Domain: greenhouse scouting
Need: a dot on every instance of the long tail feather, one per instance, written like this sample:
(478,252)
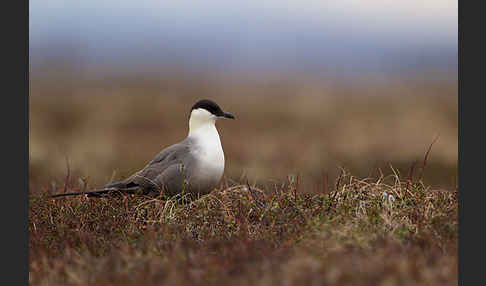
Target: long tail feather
(99,193)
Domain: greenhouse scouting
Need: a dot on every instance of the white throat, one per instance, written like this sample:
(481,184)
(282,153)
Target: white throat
(202,124)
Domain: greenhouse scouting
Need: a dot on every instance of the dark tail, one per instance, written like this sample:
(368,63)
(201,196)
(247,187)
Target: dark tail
(100,193)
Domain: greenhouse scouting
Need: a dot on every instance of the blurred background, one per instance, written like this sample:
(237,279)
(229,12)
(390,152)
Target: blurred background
(314,85)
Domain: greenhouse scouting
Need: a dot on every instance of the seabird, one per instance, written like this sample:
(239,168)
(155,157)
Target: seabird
(195,165)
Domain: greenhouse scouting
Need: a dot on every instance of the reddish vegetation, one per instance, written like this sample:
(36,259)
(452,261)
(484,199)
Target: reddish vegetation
(364,232)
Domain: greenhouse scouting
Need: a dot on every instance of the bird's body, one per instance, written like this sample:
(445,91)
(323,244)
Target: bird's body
(194,165)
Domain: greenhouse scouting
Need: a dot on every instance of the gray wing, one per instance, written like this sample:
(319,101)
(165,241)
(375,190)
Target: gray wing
(164,169)
(173,179)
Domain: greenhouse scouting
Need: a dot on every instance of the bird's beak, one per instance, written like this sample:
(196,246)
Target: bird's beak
(228,115)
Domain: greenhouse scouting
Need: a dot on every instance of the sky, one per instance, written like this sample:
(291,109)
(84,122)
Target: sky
(227,36)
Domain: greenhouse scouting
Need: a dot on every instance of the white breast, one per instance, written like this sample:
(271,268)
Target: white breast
(209,153)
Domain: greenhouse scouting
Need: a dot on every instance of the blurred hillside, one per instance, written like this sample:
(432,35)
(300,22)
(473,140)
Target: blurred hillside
(114,127)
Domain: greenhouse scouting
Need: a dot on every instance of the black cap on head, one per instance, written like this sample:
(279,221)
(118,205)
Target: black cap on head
(212,107)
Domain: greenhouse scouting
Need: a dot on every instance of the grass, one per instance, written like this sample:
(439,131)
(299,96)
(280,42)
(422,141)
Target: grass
(373,231)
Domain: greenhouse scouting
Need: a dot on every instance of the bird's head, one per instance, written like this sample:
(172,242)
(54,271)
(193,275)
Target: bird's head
(206,112)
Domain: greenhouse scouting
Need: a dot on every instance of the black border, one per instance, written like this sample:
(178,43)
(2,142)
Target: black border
(471,186)
(15,121)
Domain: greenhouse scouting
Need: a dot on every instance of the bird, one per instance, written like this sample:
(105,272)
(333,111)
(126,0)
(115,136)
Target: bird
(194,165)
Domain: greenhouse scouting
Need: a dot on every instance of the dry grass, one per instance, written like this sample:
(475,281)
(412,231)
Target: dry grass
(364,232)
